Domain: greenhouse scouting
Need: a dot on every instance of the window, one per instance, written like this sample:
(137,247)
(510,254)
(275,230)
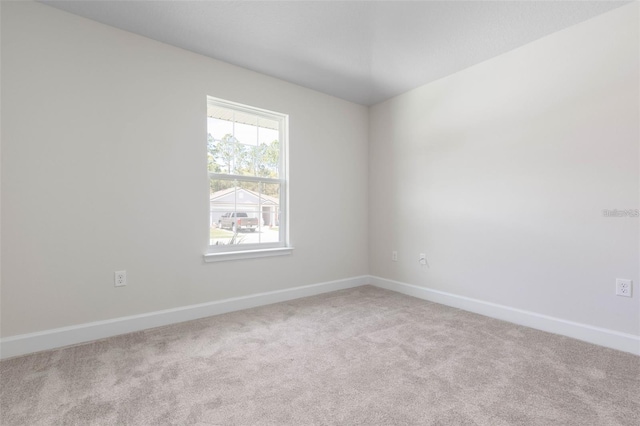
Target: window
(246,150)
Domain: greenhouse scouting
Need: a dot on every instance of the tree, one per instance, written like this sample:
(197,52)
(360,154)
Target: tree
(268,158)
(224,153)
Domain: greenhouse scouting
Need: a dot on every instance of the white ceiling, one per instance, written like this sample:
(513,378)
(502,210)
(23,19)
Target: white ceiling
(362,51)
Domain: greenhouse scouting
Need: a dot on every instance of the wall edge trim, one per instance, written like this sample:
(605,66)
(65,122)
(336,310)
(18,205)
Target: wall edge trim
(82,333)
(597,335)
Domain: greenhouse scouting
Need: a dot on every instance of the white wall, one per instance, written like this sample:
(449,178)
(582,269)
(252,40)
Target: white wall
(500,174)
(104,168)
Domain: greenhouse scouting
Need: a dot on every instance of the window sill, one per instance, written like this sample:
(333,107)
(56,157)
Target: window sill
(247,254)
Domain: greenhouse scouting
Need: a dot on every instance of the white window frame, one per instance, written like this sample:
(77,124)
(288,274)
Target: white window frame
(217,253)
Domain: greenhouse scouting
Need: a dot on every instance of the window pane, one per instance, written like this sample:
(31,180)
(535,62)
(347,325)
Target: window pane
(222,154)
(222,203)
(244,212)
(268,152)
(247,145)
(218,128)
(246,134)
(270,213)
(268,159)
(245,160)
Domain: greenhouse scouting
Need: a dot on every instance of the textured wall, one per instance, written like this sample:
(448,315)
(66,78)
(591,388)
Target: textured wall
(104,168)
(500,174)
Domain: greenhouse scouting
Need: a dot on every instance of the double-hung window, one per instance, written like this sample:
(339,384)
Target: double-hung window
(247,153)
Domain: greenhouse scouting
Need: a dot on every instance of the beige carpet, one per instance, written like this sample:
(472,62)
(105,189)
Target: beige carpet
(363,356)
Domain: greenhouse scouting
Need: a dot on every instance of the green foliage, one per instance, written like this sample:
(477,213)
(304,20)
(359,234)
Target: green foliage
(266,159)
(224,154)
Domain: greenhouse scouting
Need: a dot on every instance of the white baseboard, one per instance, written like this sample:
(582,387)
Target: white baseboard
(596,335)
(65,336)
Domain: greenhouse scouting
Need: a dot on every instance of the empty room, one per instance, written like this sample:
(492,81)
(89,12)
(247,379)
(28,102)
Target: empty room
(319,213)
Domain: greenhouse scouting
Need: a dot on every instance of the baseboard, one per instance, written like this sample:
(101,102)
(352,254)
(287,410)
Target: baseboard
(65,336)
(596,335)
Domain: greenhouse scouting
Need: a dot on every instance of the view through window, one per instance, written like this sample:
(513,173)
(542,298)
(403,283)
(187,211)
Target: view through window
(246,162)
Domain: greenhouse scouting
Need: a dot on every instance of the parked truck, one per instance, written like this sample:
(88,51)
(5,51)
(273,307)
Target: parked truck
(237,221)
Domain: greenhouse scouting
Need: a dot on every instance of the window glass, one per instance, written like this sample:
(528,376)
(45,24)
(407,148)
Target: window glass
(245,148)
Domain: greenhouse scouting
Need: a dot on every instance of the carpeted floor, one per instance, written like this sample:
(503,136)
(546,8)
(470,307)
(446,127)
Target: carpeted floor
(363,356)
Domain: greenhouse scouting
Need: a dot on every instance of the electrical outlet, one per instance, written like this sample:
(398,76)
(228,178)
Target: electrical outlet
(623,287)
(120,278)
(394,256)
(422,258)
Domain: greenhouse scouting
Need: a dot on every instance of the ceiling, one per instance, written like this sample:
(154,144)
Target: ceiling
(361,51)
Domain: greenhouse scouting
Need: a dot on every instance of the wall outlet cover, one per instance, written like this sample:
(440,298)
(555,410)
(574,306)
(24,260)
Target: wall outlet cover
(120,278)
(624,287)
